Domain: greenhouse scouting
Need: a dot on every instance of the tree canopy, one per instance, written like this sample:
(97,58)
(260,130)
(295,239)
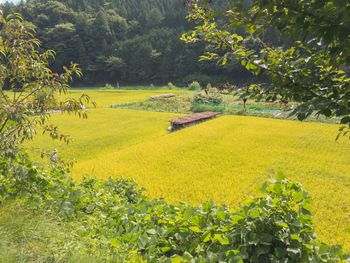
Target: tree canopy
(310,67)
(123,41)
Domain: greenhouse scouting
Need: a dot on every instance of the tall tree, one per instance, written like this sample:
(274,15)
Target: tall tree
(311,70)
(28,86)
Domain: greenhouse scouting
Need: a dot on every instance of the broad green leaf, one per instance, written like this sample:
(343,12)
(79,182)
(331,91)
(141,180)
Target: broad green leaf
(298,197)
(195,229)
(222,239)
(177,259)
(165,249)
(115,242)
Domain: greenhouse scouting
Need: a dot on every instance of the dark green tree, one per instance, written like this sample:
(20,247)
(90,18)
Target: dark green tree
(93,33)
(154,17)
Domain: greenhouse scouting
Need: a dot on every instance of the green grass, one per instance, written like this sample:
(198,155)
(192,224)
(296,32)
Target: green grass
(27,236)
(37,236)
(183,103)
(225,159)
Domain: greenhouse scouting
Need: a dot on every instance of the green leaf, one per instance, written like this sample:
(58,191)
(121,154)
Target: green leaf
(222,239)
(298,197)
(265,237)
(280,176)
(207,237)
(295,237)
(221,214)
(165,249)
(195,229)
(115,242)
(307,207)
(255,213)
(177,259)
(282,224)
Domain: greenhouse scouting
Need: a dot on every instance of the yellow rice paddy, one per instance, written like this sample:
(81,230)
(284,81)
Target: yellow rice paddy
(226,159)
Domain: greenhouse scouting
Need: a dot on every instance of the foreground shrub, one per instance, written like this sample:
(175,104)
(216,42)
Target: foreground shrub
(275,227)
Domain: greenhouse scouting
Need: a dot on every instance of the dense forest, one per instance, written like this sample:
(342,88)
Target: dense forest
(130,42)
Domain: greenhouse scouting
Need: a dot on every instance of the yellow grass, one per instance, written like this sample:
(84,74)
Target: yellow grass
(226,159)
(104,131)
(105,98)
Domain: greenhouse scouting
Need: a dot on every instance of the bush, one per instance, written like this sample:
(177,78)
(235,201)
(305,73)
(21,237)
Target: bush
(208,107)
(171,85)
(194,86)
(276,227)
(108,86)
(213,98)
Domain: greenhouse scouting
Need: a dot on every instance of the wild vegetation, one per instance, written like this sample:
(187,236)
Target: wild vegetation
(196,102)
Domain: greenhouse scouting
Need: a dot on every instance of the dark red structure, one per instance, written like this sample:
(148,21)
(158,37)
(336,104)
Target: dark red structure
(189,120)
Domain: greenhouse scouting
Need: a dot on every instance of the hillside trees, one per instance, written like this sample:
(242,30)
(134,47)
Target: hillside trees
(311,70)
(95,33)
(154,17)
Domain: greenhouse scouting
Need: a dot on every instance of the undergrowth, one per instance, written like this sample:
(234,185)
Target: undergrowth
(190,103)
(32,235)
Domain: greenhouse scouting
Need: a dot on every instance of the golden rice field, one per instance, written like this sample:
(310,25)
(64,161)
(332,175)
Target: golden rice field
(226,159)
(109,97)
